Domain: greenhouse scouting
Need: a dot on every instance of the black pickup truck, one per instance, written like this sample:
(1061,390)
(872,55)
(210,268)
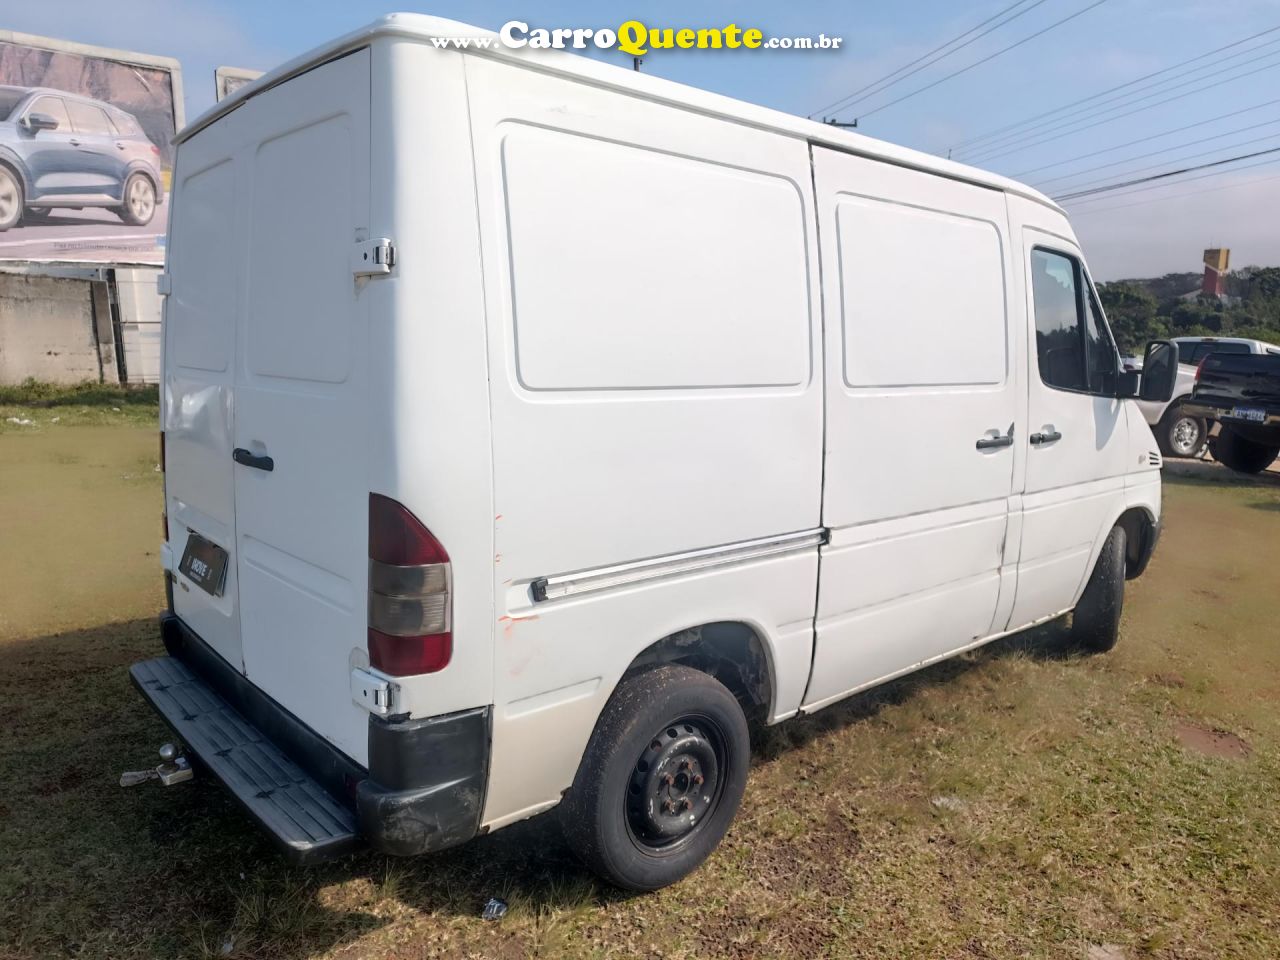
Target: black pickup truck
(1242,392)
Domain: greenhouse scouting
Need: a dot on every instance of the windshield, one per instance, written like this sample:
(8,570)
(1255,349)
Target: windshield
(10,97)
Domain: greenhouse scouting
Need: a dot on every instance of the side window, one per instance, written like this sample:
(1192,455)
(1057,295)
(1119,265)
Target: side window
(89,119)
(55,108)
(1230,348)
(1073,346)
(1100,352)
(1059,346)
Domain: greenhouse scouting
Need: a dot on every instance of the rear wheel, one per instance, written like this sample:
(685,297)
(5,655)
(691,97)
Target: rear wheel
(661,778)
(1179,434)
(139,201)
(1245,456)
(10,199)
(1095,625)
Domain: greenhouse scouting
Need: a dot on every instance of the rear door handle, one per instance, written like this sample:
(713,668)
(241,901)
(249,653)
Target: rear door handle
(1049,436)
(74,143)
(249,459)
(120,146)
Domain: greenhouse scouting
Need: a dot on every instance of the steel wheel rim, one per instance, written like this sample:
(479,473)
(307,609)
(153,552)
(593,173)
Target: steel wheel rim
(141,198)
(8,198)
(676,784)
(1185,435)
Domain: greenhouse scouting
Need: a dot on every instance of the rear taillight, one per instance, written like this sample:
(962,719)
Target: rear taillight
(1200,366)
(155,150)
(409,593)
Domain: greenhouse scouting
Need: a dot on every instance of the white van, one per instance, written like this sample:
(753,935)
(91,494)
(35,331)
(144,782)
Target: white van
(531,424)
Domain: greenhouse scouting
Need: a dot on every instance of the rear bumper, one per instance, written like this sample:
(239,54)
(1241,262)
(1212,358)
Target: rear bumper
(423,791)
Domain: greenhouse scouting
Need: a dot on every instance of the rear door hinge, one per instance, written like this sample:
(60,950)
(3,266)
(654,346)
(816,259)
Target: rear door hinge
(164,284)
(373,257)
(376,694)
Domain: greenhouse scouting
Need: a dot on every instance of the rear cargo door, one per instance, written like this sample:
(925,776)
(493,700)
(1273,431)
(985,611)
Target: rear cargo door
(199,371)
(301,490)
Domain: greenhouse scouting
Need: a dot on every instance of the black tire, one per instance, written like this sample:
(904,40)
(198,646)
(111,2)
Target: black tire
(1179,434)
(140,201)
(1244,456)
(1095,625)
(11,199)
(668,722)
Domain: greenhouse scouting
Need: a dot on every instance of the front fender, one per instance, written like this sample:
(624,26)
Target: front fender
(11,159)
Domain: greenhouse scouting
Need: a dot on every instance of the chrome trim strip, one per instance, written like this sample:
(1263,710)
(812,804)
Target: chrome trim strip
(674,564)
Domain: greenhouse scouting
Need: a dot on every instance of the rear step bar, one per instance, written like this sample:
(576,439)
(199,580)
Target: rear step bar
(296,811)
(424,789)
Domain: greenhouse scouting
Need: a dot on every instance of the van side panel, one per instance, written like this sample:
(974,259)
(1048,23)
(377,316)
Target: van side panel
(651,288)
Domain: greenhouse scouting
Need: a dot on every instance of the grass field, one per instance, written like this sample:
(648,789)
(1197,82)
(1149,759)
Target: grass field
(1018,802)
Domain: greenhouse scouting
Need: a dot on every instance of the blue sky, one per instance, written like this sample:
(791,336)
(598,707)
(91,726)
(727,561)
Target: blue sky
(1118,41)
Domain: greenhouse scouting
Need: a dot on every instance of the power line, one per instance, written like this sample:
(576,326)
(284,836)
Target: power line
(1102,93)
(1097,123)
(1182,195)
(989,57)
(1164,176)
(1157,186)
(1129,99)
(849,99)
(1153,153)
(1191,156)
(1154,136)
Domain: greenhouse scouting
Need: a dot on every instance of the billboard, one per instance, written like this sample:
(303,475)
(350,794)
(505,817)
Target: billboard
(85,151)
(228,80)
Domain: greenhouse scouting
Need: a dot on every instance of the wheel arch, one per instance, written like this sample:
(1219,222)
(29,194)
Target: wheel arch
(736,652)
(139,166)
(1140,526)
(15,166)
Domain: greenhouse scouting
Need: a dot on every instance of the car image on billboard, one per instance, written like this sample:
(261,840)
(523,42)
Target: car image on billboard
(85,156)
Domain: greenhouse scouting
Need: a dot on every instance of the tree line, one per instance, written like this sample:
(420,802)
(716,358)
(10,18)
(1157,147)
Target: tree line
(1143,310)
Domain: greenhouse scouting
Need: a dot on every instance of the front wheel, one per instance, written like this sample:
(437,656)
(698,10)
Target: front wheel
(1095,625)
(1179,434)
(661,778)
(10,199)
(139,201)
(1245,456)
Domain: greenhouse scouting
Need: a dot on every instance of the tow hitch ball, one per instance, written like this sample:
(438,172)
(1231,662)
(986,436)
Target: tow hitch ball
(173,768)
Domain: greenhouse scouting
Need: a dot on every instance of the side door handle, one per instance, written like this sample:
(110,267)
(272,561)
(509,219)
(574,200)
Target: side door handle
(991,443)
(74,142)
(249,459)
(1049,436)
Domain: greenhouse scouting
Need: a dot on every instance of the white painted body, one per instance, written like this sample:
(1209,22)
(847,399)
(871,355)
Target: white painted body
(628,321)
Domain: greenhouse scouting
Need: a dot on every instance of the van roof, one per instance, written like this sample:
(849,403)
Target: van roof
(419,27)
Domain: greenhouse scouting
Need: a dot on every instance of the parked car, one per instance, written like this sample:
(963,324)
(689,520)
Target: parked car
(482,501)
(59,150)
(1180,432)
(1242,391)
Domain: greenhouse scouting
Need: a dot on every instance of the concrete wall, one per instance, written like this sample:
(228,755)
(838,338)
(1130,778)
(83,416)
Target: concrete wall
(50,330)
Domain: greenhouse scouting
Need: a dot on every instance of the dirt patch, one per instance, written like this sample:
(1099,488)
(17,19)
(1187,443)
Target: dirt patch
(1210,742)
(1171,680)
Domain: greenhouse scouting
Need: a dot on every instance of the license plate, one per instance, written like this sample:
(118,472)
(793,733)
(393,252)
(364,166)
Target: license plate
(204,563)
(1256,414)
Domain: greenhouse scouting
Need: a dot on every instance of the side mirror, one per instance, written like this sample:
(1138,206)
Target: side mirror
(1159,371)
(41,121)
